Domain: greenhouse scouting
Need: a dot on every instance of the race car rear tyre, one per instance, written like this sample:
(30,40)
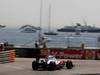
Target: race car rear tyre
(43,65)
(69,65)
(35,65)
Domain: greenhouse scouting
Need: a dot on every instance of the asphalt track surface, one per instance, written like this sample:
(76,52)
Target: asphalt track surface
(22,66)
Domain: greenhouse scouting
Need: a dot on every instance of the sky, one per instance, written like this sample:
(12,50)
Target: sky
(15,13)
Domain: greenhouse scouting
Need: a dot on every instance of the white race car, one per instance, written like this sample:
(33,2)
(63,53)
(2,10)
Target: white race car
(51,63)
(58,64)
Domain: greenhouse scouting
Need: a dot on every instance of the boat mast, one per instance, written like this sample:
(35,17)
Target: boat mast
(49,18)
(40,31)
(41,8)
(85,23)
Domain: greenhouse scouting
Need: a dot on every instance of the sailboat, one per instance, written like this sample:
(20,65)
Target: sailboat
(49,24)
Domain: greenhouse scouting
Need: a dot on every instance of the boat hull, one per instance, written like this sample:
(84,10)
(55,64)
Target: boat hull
(67,30)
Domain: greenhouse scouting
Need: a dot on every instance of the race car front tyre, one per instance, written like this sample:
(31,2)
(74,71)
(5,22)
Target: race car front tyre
(35,65)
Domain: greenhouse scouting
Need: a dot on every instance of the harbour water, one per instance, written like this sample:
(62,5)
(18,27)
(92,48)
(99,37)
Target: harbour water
(14,36)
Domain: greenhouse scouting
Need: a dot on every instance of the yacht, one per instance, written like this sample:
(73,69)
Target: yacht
(29,29)
(80,28)
(2,26)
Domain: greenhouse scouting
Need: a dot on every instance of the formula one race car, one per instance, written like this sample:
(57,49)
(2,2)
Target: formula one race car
(51,63)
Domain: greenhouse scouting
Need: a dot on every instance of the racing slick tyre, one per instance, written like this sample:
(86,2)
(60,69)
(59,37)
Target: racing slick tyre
(52,66)
(69,65)
(43,65)
(35,65)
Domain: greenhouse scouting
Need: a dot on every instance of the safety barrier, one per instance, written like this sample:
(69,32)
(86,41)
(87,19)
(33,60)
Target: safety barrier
(7,56)
(70,53)
(76,54)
